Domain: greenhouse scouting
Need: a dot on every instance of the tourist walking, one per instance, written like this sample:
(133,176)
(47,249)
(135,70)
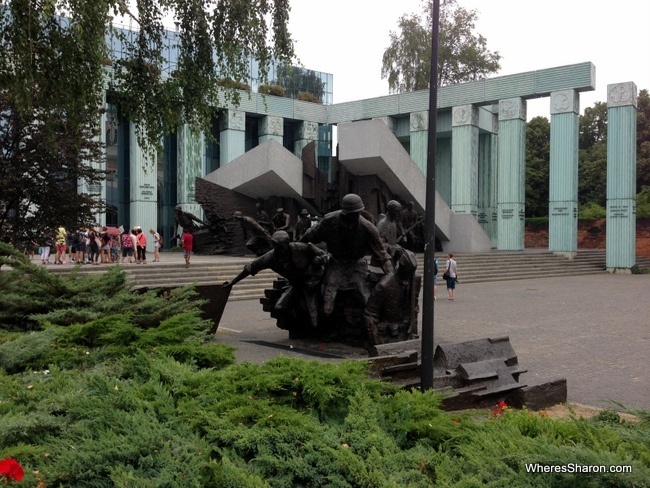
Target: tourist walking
(93,247)
(105,250)
(141,243)
(46,248)
(59,256)
(157,241)
(187,241)
(451,276)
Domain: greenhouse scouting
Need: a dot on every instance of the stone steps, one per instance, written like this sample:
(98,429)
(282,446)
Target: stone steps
(473,268)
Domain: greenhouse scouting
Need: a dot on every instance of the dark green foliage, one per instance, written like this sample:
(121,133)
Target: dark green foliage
(538,145)
(608,416)
(537,223)
(643,203)
(643,143)
(133,398)
(462,53)
(55,67)
(31,297)
(592,161)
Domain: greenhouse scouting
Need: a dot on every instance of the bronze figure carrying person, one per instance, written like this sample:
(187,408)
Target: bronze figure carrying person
(349,237)
(302,264)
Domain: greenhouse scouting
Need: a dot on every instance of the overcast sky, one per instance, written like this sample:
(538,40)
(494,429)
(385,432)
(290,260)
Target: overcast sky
(348,38)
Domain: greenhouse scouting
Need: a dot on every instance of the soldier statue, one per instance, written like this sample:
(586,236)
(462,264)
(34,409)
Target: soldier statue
(260,240)
(385,316)
(349,237)
(302,264)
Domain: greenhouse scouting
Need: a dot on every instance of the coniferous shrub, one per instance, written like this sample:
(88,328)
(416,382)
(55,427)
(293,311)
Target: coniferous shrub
(134,392)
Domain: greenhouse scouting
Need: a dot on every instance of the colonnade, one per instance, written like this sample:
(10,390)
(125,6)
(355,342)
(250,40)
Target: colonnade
(488,169)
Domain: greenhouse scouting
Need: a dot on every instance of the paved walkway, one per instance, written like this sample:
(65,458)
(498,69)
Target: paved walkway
(592,330)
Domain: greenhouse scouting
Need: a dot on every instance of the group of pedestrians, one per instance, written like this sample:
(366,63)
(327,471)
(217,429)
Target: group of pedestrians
(98,246)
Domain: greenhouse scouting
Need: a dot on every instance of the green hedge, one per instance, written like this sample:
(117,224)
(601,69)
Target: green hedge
(140,398)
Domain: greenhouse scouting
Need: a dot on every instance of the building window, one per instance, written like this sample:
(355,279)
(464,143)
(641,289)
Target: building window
(252,132)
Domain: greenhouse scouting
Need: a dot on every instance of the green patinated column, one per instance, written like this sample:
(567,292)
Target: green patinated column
(190,150)
(512,174)
(232,136)
(271,127)
(419,128)
(98,190)
(621,176)
(487,181)
(306,132)
(443,168)
(464,160)
(143,207)
(563,184)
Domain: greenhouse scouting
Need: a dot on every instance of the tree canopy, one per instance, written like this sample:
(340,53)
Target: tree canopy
(592,158)
(538,146)
(58,58)
(462,53)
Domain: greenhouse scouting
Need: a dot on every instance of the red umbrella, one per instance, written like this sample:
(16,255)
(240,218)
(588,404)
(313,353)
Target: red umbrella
(114,231)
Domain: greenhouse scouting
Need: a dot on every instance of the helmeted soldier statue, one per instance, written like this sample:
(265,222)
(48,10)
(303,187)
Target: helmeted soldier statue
(302,264)
(260,240)
(349,237)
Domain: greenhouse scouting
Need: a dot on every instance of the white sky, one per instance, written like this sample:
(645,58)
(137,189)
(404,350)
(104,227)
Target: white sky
(348,38)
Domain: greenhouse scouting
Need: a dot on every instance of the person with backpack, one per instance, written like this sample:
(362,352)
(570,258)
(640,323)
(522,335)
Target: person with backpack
(451,276)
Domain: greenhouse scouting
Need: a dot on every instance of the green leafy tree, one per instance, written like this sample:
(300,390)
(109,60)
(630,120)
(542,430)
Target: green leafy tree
(592,159)
(462,54)
(643,141)
(297,80)
(55,66)
(538,142)
(643,203)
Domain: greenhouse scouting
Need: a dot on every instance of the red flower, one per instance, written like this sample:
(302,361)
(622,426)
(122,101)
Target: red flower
(502,405)
(11,469)
(496,413)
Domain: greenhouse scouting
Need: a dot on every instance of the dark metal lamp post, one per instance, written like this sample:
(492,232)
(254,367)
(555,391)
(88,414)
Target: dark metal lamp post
(430,211)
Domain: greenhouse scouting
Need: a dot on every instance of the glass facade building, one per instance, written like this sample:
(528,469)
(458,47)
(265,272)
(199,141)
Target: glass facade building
(177,160)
